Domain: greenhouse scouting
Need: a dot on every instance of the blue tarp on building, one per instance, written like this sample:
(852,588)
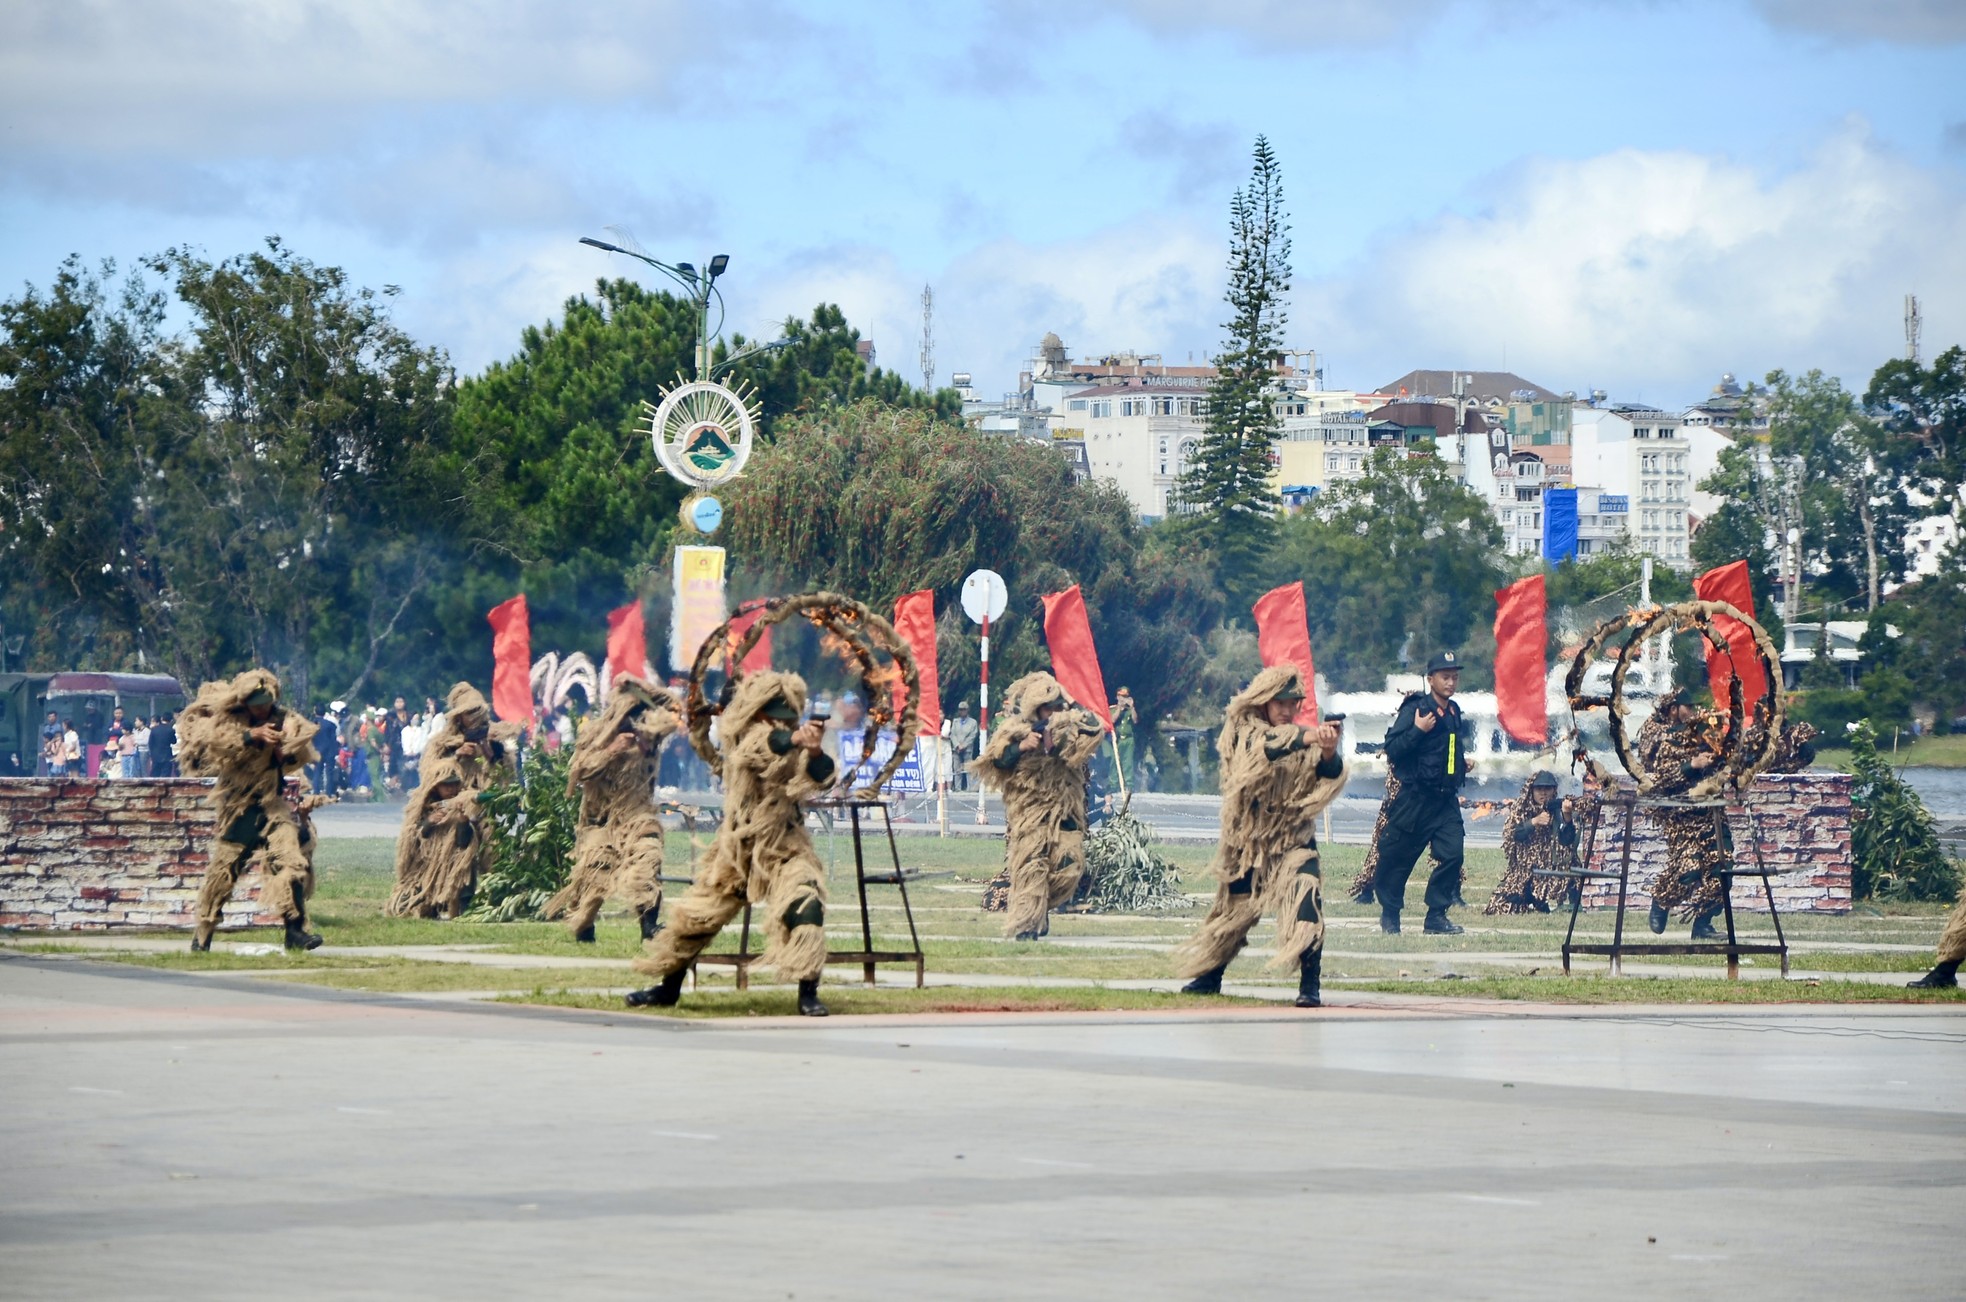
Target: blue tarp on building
(1559,523)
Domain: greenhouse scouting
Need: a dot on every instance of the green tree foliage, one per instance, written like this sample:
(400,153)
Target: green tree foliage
(1930,648)
(1894,845)
(531,824)
(878,502)
(1229,486)
(1401,559)
(237,494)
(1584,590)
(1926,407)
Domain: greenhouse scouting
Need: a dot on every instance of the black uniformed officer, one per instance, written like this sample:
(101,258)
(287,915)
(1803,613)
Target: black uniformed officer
(1427,747)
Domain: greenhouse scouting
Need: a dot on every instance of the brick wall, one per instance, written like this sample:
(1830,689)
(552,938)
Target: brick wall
(1804,825)
(92,856)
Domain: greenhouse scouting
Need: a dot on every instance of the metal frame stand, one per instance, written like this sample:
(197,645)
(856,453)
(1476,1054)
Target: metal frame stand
(1619,947)
(867,956)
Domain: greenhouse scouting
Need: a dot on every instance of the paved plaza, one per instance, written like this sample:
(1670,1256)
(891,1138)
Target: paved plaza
(215,1137)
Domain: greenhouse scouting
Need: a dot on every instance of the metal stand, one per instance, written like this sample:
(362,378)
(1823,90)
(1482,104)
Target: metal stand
(867,956)
(1732,947)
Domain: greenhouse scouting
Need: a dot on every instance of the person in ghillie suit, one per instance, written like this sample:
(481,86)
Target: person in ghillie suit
(483,751)
(1539,835)
(238,733)
(1277,777)
(617,848)
(442,847)
(1673,746)
(762,854)
(1037,758)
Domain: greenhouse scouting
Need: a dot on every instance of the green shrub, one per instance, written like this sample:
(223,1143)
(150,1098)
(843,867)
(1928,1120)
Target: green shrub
(1128,874)
(532,826)
(1894,846)
(1830,709)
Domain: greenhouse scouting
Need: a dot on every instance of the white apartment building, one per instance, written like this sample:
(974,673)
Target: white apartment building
(1140,433)
(1642,454)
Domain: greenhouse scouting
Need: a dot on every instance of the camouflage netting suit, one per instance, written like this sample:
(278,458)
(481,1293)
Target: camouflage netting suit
(1275,782)
(1528,849)
(1043,797)
(762,853)
(617,847)
(253,816)
(483,751)
(1698,846)
(440,847)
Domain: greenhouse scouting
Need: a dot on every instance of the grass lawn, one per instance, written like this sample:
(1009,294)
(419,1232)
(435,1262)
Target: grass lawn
(1493,959)
(1947,752)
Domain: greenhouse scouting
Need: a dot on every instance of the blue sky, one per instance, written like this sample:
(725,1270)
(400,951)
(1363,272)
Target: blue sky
(1634,196)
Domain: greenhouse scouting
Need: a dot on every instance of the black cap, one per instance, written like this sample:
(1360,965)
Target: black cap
(1542,778)
(1444,660)
(780,709)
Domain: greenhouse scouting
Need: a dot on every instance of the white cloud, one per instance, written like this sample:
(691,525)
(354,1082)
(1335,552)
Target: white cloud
(1910,22)
(1650,273)
(284,76)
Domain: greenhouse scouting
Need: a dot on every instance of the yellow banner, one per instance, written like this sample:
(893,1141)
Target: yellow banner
(699,603)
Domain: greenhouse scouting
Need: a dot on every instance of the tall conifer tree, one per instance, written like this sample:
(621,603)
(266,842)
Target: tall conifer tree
(1228,489)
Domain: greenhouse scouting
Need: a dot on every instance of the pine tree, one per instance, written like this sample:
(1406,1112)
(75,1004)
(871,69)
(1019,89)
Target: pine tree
(1228,489)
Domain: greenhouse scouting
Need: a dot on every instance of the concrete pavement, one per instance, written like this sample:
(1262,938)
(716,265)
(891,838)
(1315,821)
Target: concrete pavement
(169,1136)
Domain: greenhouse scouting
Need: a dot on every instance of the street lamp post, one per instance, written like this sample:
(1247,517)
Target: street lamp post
(699,285)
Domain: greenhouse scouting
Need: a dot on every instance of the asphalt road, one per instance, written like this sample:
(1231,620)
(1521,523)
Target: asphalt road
(167,1136)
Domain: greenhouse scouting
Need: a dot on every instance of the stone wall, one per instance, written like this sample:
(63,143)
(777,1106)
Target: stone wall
(92,856)
(1804,824)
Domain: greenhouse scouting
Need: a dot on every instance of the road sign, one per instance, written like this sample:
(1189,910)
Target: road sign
(985,598)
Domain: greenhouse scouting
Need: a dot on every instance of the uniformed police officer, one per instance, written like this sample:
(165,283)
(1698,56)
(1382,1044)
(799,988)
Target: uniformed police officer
(1427,747)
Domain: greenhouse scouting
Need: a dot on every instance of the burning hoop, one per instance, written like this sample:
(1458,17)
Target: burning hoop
(1738,764)
(862,637)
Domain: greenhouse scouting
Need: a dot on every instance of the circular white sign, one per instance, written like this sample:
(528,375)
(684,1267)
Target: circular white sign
(985,596)
(702,432)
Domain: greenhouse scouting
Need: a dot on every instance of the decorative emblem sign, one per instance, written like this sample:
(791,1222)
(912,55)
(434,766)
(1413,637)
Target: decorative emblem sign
(702,432)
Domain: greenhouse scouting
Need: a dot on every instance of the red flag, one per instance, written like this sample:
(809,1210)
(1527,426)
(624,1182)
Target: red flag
(914,620)
(511,626)
(1074,661)
(1521,677)
(1730,584)
(759,661)
(628,648)
(1283,637)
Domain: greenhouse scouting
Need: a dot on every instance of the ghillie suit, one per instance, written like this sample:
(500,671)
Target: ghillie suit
(1795,748)
(762,853)
(1698,846)
(483,751)
(1952,951)
(442,847)
(1275,782)
(1368,872)
(1528,849)
(303,800)
(253,817)
(1043,795)
(617,847)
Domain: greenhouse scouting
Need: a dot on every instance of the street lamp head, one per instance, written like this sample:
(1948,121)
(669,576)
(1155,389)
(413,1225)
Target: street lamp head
(600,244)
(689,271)
(717,265)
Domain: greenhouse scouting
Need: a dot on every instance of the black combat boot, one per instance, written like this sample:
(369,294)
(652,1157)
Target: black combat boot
(651,922)
(1389,921)
(585,935)
(1208,983)
(299,937)
(1943,977)
(1025,935)
(1658,918)
(1307,980)
(662,995)
(201,939)
(1438,924)
(809,1005)
(1703,928)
